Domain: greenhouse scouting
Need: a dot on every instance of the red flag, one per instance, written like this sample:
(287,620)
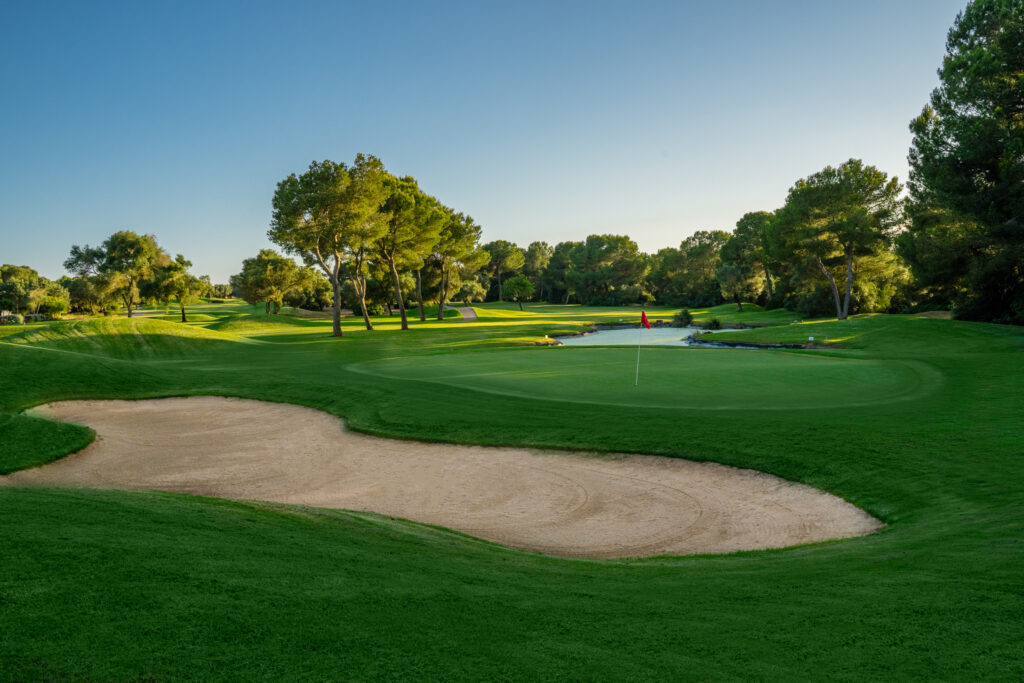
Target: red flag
(643,320)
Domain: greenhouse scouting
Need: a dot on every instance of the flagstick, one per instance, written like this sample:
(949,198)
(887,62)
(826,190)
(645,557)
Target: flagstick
(639,333)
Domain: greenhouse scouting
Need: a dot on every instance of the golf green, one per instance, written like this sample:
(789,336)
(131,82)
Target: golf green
(691,378)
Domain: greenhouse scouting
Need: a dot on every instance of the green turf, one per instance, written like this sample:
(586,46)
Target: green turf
(692,378)
(917,420)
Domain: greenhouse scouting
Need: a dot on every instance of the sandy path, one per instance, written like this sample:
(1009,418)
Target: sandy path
(467,313)
(553,502)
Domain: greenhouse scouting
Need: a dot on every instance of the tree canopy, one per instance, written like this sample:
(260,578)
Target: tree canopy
(967,168)
(837,214)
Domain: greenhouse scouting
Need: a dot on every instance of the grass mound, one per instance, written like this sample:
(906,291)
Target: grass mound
(124,338)
(29,441)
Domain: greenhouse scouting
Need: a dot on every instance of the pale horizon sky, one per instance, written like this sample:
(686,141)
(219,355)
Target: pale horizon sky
(544,121)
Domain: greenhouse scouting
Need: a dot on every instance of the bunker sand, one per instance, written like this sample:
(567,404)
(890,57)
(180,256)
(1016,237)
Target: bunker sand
(547,501)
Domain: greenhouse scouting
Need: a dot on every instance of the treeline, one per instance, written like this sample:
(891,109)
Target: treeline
(845,240)
(369,240)
(125,271)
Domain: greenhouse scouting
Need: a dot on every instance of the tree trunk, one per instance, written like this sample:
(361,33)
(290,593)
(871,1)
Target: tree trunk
(499,285)
(768,281)
(398,294)
(739,304)
(520,305)
(182,312)
(336,327)
(566,302)
(419,293)
(835,290)
(266,307)
(444,295)
(366,316)
(359,284)
(361,291)
(849,282)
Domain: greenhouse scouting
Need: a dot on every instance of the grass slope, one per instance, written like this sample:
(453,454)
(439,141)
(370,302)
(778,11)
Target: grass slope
(121,585)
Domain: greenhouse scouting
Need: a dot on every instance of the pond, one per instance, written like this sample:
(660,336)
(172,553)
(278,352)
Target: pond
(656,336)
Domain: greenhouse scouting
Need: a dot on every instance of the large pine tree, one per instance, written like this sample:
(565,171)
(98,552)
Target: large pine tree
(967,167)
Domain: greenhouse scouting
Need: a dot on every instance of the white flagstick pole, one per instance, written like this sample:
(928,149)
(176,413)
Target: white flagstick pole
(639,333)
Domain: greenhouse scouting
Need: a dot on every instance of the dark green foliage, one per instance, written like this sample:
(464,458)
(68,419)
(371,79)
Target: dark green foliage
(536,259)
(24,291)
(506,260)
(833,218)
(313,292)
(683,318)
(606,270)
(967,168)
(269,278)
(554,277)
(686,276)
(519,289)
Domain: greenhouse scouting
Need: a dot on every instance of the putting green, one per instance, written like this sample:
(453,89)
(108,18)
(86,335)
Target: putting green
(700,379)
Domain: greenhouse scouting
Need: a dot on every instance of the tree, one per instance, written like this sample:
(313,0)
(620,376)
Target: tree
(457,255)
(506,257)
(536,258)
(414,222)
(686,276)
(330,216)
(16,286)
(840,213)
(85,261)
(54,305)
(268,278)
(123,262)
(743,270)
(87,295)
(738,281)
(519,289)
(171,280)
(313,291)
(752,245)
(967,166)
(470,291)
(555,276)
(221,291)
(607,270)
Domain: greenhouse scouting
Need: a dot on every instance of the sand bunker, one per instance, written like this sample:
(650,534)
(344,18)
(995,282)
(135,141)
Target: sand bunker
(548,501)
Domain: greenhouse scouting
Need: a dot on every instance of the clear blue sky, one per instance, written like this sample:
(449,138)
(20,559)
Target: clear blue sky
(542,120)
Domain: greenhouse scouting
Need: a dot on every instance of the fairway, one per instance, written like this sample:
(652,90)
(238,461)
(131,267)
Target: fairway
(690,378)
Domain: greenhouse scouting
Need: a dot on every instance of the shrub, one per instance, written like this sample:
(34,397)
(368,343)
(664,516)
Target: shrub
(11,319)
(683,318)
(53,306)
(714,324)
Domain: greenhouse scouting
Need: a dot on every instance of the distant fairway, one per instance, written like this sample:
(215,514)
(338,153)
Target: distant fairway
(695,379)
